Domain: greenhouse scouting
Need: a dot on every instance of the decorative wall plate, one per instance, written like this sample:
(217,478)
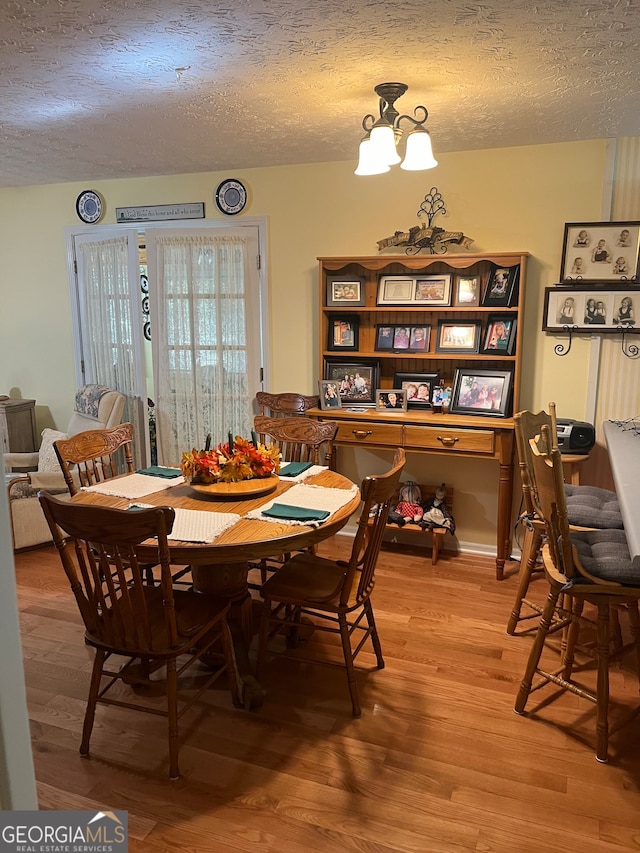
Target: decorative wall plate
(231,196)
(89,206)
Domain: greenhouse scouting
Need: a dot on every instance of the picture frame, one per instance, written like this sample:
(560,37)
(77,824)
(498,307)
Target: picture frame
(423,383)
(395,290)
(421,290)
(591,310)
(343,332)
(345,291)
(466,291)
(500,334)
(402,338)
(481,392)
(501,290)
(433,290)
(329,394)
(458,336)
(357,379)
(391,400)
(384,338)
(600,251)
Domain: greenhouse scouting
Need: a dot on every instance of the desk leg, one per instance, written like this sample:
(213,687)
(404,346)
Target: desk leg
(230,581)
(505,496)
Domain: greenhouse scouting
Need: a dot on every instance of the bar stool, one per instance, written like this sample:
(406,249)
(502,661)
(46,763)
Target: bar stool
(588,507)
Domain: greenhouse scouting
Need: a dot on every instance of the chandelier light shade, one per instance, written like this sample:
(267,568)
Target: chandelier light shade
(378,149)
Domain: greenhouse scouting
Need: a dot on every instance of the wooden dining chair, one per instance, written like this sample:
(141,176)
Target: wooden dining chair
(588,507)
(335,594)
(123,615)
(298,439)
(90,457)
(583,566)
(286,404)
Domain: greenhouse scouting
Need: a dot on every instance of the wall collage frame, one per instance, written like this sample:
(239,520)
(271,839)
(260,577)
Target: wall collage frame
(599,287)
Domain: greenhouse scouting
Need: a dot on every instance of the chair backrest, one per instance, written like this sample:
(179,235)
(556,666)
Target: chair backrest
(299,439)
(527,426)
(96,407)
(92,455)
(550,499)
(285,404)
(97,547)
(377,493)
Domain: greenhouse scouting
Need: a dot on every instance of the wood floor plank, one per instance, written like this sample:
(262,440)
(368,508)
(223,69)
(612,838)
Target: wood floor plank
(438,762)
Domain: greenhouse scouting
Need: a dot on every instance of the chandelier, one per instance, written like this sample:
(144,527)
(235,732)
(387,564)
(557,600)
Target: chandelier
(378,149)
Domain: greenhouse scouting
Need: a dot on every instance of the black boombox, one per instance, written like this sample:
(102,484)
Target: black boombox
(575,436)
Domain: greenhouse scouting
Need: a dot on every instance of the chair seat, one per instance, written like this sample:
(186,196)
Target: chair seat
(605,554)
(589,506)
(306,577)
(193,611)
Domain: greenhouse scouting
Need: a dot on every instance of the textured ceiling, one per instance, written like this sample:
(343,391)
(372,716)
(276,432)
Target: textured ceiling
(89,89)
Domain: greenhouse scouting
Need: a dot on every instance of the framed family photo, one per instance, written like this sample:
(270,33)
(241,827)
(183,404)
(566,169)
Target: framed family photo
(600,251)
(345,290)
(458,337)
(357,379)
(343,332)
(501,289)
(418,387)
(591,310)
(422,290)
(466,291)
(394,399)
(481,392)
(403,338)
(500,335)
(329,394)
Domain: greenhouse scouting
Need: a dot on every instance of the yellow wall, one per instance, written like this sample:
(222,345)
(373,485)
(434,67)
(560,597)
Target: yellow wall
(505,199)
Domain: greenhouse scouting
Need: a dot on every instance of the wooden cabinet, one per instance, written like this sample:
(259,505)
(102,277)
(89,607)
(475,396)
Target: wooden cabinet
(476,432)
(18,425)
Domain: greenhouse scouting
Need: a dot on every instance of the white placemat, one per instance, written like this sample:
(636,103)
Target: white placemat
(315,469)
(192,525)
(133,486)
(308,497)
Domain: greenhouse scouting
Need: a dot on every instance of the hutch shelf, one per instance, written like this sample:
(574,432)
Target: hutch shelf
(477,431)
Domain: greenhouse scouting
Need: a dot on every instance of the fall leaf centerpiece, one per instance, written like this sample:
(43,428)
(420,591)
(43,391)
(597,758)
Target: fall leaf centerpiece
(234,461)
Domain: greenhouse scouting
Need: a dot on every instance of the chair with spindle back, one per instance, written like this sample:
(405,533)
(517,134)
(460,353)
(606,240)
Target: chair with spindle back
(287,404)
(299,440)
(588,507)
(583,566)
(89,457)
(125,616)
(335,594)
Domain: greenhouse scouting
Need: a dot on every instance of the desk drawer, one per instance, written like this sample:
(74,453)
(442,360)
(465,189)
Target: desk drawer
(450,438)
(358,432)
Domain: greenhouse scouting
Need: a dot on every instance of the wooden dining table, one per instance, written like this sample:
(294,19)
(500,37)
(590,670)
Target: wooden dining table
(222,567)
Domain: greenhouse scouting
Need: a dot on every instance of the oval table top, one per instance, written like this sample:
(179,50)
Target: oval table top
(248,539)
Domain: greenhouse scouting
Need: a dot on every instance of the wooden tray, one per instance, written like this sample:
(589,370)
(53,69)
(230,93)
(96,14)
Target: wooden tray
(238,491)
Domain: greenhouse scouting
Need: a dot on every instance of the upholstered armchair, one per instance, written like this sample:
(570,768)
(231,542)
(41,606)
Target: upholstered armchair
(96,407)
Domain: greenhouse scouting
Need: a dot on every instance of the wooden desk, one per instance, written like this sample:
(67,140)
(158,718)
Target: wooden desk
(440,435)
(221,567)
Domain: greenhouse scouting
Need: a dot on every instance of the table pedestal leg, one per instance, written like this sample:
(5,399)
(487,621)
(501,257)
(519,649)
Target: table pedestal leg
(229,581)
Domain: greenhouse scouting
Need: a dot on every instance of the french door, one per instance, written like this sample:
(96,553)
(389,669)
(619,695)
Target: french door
(206,304)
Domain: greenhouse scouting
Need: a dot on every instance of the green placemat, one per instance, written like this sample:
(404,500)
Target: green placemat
(295,513)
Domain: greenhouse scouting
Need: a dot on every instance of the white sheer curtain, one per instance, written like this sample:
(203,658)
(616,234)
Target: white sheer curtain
(205,337)
(107,318)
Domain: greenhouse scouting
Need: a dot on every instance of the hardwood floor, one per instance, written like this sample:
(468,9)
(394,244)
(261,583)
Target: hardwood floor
(438,762)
